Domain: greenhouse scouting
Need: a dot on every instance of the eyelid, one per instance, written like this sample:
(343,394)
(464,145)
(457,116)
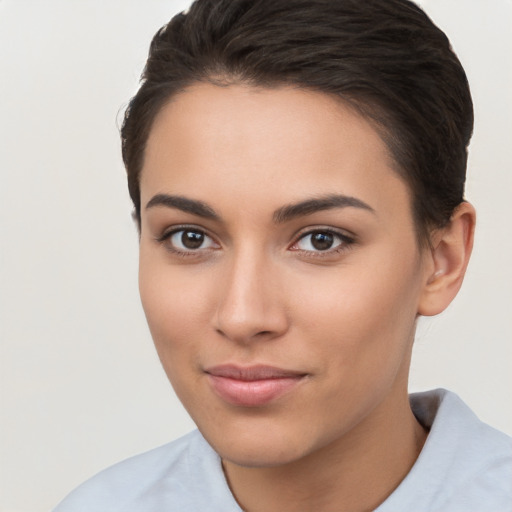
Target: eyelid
(172,230)
(347,239)
(343,233)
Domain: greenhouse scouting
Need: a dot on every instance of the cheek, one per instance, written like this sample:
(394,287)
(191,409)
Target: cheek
(176,312)
(173,301)
(361,313)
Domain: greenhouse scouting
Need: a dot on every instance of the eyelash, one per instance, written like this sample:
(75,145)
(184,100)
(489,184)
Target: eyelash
(346,241)
(167,235)
(345,244)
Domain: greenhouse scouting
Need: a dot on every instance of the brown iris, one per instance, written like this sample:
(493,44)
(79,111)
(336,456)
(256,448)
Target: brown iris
(322,241)
(192,239)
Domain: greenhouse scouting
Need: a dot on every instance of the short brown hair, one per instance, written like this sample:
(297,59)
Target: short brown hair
(385,57)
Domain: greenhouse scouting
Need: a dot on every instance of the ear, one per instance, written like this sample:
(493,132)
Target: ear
(447,260)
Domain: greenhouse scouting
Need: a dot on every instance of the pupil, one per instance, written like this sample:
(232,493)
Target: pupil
(322,241)
(192,239)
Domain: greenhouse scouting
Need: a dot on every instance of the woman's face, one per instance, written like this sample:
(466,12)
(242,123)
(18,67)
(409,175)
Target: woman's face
(279,269)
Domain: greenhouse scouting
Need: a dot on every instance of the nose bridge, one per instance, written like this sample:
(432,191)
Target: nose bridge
(249,303)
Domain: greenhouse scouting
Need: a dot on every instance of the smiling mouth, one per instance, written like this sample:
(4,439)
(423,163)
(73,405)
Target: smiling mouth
(252,386)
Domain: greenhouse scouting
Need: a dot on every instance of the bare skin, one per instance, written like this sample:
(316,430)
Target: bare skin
(329,479)
(277,240)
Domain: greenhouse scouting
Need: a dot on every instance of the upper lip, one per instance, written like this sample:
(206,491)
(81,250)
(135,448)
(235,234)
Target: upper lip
(255,372)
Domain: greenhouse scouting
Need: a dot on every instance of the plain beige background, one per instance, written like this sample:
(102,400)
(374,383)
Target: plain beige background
(81,387)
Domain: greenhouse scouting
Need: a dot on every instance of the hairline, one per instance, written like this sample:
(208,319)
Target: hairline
(370,111)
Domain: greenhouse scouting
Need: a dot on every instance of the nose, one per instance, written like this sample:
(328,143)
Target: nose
(250,301)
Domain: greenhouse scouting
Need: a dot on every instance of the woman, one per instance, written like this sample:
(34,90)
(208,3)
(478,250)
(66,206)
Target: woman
(297,170)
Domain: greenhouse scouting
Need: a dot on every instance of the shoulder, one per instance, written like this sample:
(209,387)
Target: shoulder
(454,426)
(479,458)
(168,476)
(465,464)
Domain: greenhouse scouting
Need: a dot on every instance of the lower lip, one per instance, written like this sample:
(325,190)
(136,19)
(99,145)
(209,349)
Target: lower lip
(252,393)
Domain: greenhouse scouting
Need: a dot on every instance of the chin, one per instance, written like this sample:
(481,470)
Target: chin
(259,456)
(266,446)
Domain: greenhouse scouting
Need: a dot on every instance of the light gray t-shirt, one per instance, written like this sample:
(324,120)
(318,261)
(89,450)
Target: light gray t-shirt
(465,466)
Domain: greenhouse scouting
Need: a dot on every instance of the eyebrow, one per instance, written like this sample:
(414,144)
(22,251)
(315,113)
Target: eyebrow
(281,215)
(184,204)
(310,206)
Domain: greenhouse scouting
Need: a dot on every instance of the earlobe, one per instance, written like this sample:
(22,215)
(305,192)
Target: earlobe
(449,258)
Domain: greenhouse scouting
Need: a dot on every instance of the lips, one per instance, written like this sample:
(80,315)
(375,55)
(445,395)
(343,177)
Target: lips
(252,386)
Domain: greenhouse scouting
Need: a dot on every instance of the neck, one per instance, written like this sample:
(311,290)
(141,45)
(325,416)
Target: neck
(356,472)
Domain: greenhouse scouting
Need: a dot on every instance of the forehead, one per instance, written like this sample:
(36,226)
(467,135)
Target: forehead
(244,142)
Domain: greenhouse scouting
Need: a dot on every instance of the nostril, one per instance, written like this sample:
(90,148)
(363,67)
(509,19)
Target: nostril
(263,333)
(260,334)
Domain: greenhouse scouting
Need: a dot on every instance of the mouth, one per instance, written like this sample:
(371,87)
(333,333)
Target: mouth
(252,386)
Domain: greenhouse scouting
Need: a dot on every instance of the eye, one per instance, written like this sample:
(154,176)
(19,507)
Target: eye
(189,240)
(321,241)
